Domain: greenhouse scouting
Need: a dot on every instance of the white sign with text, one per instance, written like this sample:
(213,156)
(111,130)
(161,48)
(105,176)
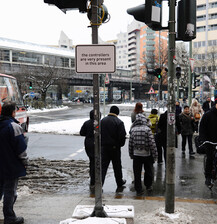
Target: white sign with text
(95,58)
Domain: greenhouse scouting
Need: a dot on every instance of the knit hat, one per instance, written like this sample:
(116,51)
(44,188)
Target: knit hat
(114,110)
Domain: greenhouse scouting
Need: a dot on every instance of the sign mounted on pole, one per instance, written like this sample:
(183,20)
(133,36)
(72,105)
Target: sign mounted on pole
(107,79)
(192,64)
(151,91)
(95,59)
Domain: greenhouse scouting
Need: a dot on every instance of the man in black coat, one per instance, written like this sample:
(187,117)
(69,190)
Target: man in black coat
(87,130)
(208,104)
(113,136)
(207,132)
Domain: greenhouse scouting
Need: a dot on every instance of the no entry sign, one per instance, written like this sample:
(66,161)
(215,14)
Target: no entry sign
(95,59)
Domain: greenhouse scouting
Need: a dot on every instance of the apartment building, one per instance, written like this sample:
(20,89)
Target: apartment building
(205,45)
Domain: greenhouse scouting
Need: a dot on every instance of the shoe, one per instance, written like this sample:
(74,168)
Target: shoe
(140,193)
(123,182)
(208,182)
(159,163)
(149,188)
(183,152)
(16,220)
(192,153)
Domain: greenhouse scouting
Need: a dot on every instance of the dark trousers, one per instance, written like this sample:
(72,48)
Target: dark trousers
(8,188)
(138,163)
(159,147)
(189,137)
(92,170)
(114,155)
(209,161)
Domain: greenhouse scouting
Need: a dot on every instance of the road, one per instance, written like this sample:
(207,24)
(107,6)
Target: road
(189,171)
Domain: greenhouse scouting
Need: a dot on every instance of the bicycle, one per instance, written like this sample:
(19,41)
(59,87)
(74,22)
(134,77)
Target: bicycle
(214,166)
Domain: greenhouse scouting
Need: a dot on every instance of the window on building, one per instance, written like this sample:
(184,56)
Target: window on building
(26,57)
(201,28)
(4,55)
(201,7)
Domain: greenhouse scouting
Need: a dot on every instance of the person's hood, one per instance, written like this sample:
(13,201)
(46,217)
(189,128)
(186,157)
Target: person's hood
(152,116)
(140,120)
(3,118)
(92,114)
(213,109)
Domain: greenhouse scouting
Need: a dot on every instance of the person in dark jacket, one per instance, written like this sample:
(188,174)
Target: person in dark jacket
(87,130)
(12,160)
(178,108)
(113,136)
(162,126)
(208,104)
(143,151)
(207,132)
(187,129)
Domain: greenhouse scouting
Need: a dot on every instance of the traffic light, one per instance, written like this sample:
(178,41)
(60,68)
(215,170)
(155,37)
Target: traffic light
(156,72)
(149,13)
(196,80)
(178,72)
(186,20)
(30,85)
(65,5)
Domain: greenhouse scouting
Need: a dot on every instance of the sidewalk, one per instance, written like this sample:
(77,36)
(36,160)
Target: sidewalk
(51,209)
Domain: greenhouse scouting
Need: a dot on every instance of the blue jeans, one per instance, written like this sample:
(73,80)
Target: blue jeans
(8,189)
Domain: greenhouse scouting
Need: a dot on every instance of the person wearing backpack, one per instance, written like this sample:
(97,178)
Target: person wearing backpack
(187,129)
(143,151)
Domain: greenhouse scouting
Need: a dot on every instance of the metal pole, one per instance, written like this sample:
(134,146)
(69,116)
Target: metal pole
(177,90)
(131,89)
(190,76)
(104,95)
(170,164)
(98,210)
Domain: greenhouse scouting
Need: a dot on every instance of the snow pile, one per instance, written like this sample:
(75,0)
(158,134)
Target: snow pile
(31,110)
(160,216)
(69,127)
(94,220)
(24,191)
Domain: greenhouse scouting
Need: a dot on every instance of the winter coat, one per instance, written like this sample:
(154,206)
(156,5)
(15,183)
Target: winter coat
(154,118)
(206,106)
(162,127)
(113,133)
(141,142)
(208,126)
(87,130)
(187,124)
(12,149)
(196,109)
(133,115)
(178,110)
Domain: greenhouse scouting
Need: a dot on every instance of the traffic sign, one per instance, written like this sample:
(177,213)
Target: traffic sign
(95,58)
(192,64)
(78,91)
(107,79)
(151,91)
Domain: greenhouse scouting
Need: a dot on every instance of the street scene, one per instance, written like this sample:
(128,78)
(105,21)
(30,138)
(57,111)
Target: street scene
(108,112)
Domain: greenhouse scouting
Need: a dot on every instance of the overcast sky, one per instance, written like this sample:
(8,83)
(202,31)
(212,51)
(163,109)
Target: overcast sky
(37,22)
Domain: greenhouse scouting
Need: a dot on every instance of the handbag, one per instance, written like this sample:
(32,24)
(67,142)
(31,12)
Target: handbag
(197,116)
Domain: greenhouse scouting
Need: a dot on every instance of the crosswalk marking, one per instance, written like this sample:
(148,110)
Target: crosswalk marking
(74,154)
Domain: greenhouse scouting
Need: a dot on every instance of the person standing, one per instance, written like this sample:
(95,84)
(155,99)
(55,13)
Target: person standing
(87,130)
(178,108)
(154,119)
(12,160)
(187,129)
(197,112)
(143,151)
(138,109)
(208,104)
(113,136)
(207,132)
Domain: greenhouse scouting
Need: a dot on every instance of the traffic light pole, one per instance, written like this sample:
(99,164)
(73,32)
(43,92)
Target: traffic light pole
(98,209)
(170,164)
(190,77)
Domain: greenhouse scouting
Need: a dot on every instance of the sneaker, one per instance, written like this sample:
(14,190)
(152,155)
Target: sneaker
(123,182)
(140,193)
(208,182)
(16,220)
